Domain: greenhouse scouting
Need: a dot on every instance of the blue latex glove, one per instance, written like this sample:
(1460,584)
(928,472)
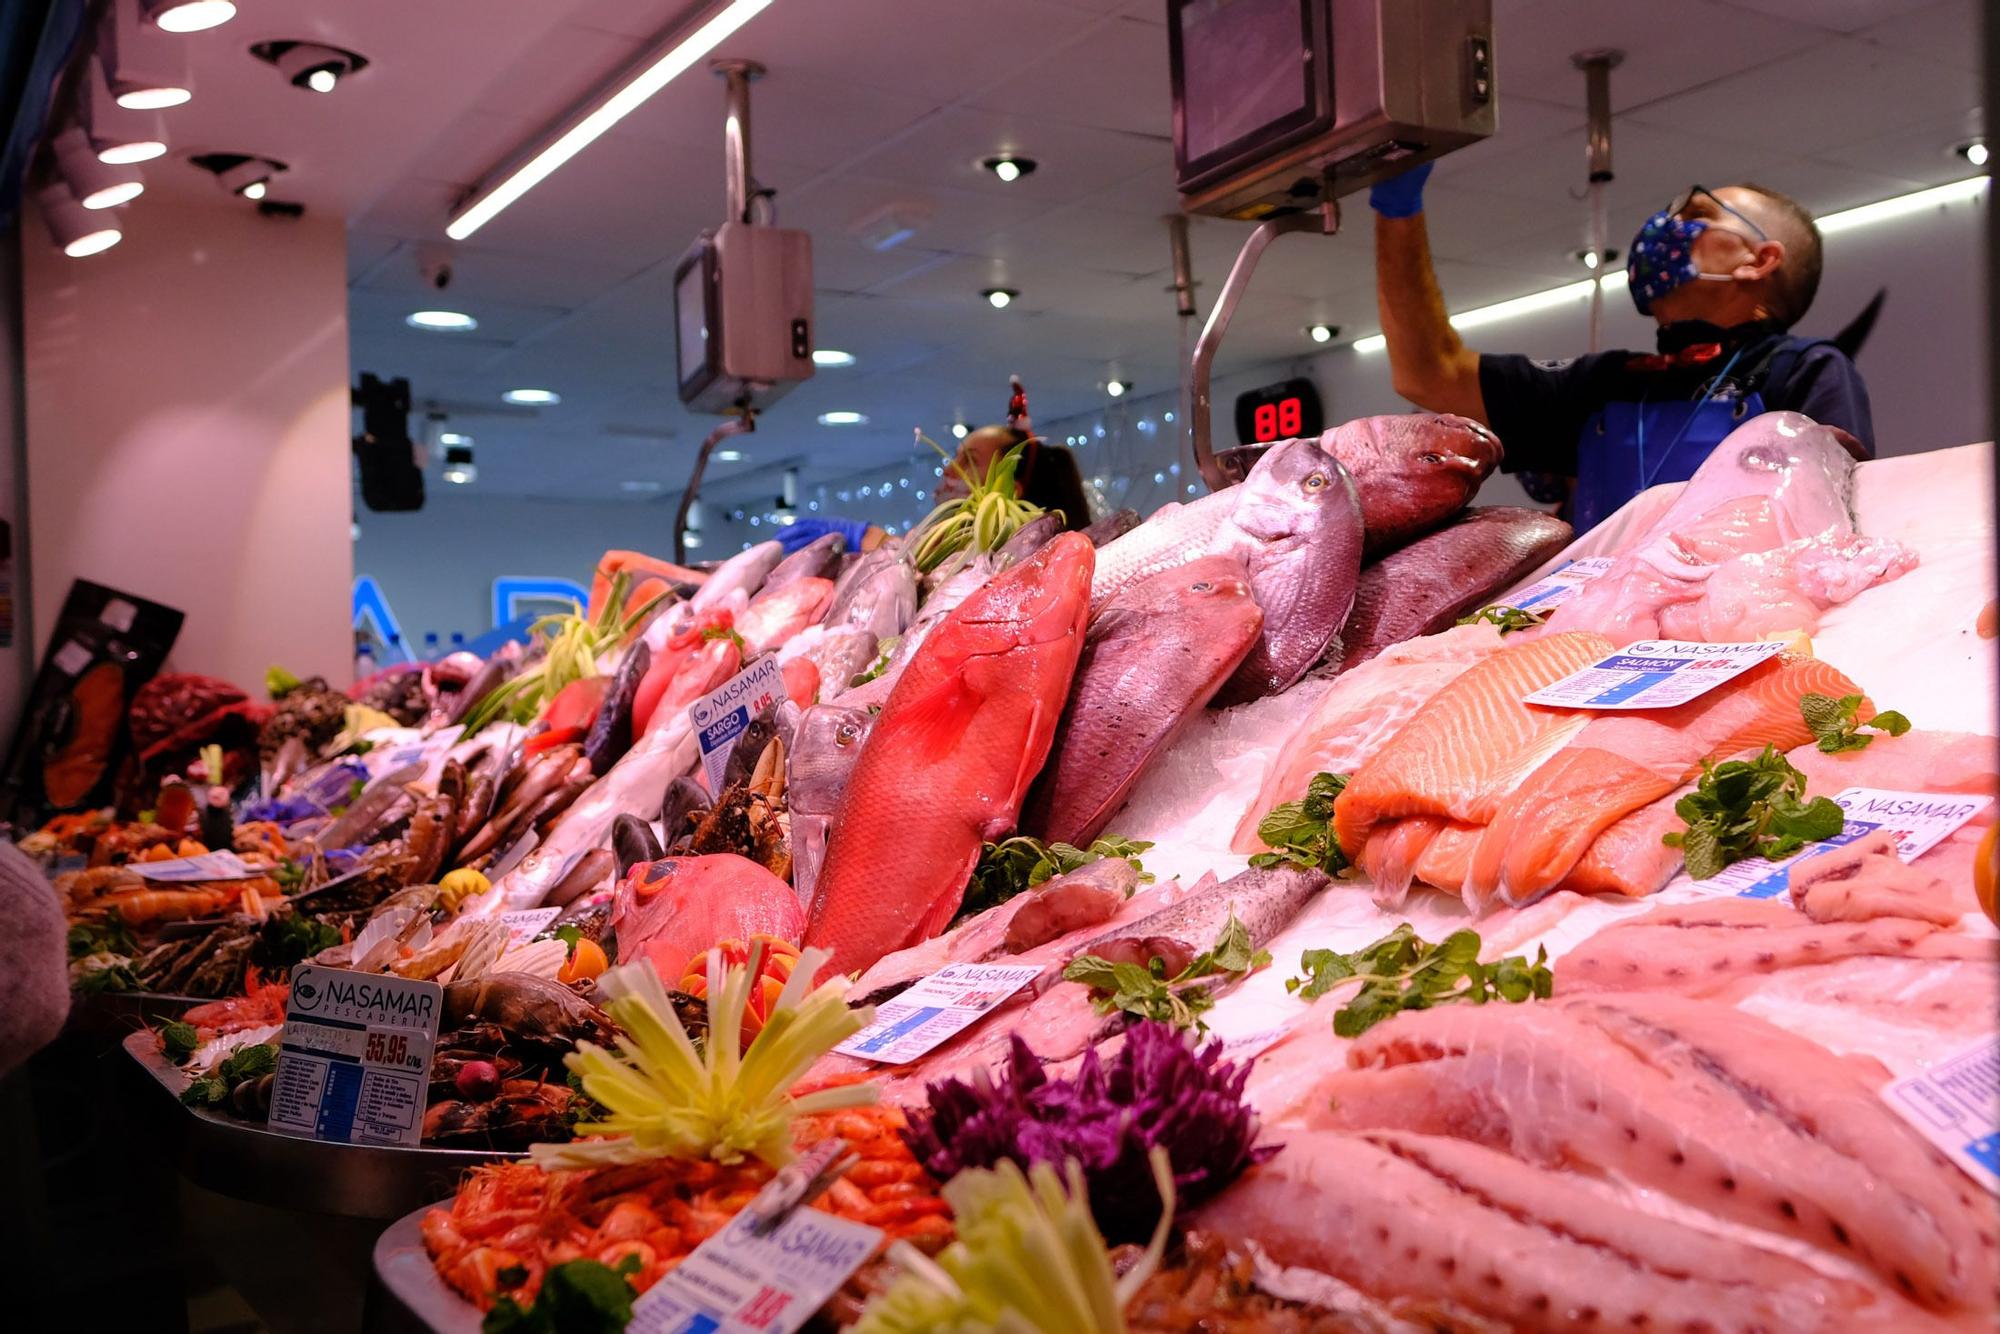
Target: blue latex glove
(796,535)
(1401,196)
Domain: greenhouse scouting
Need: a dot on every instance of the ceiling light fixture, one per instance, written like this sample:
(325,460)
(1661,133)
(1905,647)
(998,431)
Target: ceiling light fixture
(120,137)
(1323,333)
(999,297)
(146,69)
(843,418)
(441,321)
(643,488)
(458,465)
(1973,151)
(959,430)
(650,73)
(454,438)
(1118,388)
(532,397)
(95,183)
(1829,224)
(729,456)
(1596,259)
(1009,167)
(189,15)
(311,65)
(826,356)
(243,174)
(75,229)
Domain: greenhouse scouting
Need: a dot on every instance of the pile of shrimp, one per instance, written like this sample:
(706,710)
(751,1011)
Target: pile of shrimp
(515,1219)
(260,1004)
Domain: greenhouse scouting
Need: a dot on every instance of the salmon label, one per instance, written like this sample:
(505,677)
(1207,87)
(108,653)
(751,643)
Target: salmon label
(1918,820)
(949,1001)
(1956,1106)
(1558,585)
(1654,674)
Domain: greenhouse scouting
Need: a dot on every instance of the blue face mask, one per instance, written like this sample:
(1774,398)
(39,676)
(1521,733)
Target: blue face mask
(1662,255)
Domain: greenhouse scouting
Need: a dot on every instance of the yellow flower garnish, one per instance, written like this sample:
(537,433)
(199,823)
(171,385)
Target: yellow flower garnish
(666,1098)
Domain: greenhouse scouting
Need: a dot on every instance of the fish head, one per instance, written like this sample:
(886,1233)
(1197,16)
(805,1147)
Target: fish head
(827,741)
(1291,491)
(1202,588)
(1421,452)
(1029,538)
(1039,601)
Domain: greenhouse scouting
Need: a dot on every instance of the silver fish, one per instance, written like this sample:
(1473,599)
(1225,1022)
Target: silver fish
(1264,899)
(1297,529)
(819,559)
(1174,535)
(878,593)
(746,570)
(826,742)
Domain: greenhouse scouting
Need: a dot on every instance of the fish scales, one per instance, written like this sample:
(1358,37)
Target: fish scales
(1412,471)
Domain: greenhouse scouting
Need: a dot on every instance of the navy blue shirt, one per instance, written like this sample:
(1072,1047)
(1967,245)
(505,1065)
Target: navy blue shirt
(1538,408)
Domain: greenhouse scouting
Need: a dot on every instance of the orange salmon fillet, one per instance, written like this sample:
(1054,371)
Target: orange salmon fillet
(1623,761)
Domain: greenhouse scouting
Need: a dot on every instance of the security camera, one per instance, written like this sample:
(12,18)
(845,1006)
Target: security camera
(435,265)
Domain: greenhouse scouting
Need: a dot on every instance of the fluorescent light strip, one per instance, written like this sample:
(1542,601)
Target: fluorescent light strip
(1843,221)
(488,202)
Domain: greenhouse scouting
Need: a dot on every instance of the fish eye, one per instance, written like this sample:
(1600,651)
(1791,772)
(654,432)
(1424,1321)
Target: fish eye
(1430,458)
(1315,481)
(1202,587)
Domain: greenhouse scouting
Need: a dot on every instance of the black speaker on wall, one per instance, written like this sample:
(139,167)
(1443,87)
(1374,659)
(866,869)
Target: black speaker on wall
(391,478)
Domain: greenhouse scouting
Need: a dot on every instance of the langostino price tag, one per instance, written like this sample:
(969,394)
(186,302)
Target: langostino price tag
(758,1274)
(1919,820)
(354,1059)
(724,713)
(1654,674)
(949,1001)
(1956,1106)
(223,865)
(1558,585)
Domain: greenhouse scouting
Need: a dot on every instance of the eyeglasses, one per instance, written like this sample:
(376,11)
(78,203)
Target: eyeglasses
(1698,201)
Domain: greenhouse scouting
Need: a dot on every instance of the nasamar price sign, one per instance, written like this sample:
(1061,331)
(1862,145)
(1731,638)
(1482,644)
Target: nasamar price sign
(724,714)
(354,1060)
(1654,674)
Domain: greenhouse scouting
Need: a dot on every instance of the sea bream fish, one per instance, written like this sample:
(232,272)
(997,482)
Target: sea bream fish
(1412,471)
(1172,535)
(1296,527)
(877,593)
(818,559)
(1426,586)
(826,745)
(1151,660)
(949,760)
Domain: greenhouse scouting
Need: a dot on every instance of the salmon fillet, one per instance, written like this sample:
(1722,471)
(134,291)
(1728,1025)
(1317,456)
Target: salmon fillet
(1622,761)
(1471,744)
(1451,1235)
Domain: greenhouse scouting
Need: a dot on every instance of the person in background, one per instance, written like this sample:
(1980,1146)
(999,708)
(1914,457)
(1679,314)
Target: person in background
(34,960)
(1726,273)
(1047,475)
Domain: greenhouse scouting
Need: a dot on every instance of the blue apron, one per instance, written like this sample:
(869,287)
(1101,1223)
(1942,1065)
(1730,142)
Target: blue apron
(1627,447)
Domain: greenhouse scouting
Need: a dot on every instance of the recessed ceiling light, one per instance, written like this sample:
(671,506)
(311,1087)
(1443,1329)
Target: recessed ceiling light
(458,465)
(310,65)
(453,438)
(642,488)
(1118,388)
(1009,166)
(729,456)
(1322,333)
(999,297)
(1597,259)
(155,98)
(1974,151)
(960,430)
(843,418)
(190,15)
(256,189)
(827,356)
(532,397)
(441,321)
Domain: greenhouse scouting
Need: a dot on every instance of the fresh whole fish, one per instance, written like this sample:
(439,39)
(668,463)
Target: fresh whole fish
(633,840)
(1760,540)
(671,912)
(1263,899)
(1111,527)
(1153,657)
(1029,538)
(1412,471)
(817,559)
(1426,586)
(1296,527)
(828,742)
(944,600)
(744,573)
(611,733)
(1172,535)
(775,615)
(593,868)
(687,799)
(949,760)
(877,593)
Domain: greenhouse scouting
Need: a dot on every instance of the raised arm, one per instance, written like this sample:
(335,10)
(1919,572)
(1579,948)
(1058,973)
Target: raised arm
(1428,363)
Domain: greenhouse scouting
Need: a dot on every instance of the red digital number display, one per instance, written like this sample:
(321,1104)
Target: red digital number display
(1281,420)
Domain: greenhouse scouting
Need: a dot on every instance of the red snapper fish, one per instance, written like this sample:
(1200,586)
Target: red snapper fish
(949,759)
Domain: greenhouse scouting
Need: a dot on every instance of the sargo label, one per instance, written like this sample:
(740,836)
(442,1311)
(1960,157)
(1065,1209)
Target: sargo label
(724,714)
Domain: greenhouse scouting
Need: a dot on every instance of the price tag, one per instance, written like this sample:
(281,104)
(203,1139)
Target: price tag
(72,658)
(743,1280)
(1956,1106)
(354,1060)
(1559,585)
(949,1001)
(724,713)
(224,865)
(1654,674)
(524,924)
(400,747)
(1919,820)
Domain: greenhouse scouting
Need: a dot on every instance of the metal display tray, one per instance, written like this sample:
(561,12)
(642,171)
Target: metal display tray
(407,1293)
(247,1161)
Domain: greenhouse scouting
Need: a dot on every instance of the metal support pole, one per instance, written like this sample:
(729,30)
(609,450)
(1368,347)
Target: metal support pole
(1597,66)
(1183,289)
(1325,221)
(736,176)
(739,425)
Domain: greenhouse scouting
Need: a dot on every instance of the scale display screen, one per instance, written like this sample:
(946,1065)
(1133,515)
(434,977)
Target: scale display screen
(691,318)
(1283,411)
(1243,74)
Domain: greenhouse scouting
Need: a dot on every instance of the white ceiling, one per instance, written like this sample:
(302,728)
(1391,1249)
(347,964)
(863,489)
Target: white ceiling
(873,102)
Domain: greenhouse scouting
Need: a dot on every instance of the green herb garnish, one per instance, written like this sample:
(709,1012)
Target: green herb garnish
(106,936)
(290,939)
(881,665)
(1148,993)
(1300,833)
(1750,808)
(1021,863)
(179,1040)
(241,1064)
(1507,618)
(576,1297)
(569,935)
(1834,722)
(1402,972)
(979,522)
